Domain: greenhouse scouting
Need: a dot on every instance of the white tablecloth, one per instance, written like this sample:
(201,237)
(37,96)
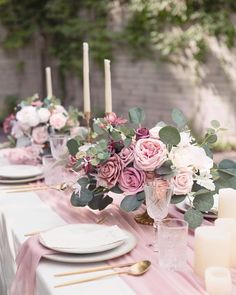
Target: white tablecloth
(22,213)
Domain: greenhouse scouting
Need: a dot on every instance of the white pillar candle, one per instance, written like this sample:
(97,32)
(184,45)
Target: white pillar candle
(49,82)
(227,203)
(229,224)
(218,281)
(108,93)
(87,108)
(212,248)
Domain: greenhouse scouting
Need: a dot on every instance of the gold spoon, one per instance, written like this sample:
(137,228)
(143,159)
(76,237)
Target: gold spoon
(136,269)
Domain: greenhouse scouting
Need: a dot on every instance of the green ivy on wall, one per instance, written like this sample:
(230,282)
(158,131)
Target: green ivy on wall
(173,28)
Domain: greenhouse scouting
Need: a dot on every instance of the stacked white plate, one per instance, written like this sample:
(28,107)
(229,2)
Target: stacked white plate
(13,174)
(212,214)
(87,242)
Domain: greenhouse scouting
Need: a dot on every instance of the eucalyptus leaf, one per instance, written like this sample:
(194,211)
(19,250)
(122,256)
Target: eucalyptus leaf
(99,202)
(208,151)
(175,199)
(215,124)
(204,202)
(83,182)
(170,135)
(97,129)
(193,217)
(116,190)
(130,203)
(127,142)
(179,118)
(211,138)
(140,196)
(116,136)
(136,115)
(72,146)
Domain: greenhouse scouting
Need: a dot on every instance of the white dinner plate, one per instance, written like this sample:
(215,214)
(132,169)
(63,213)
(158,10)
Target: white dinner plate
(183,207)
(82,238)
(20,181)
(128,245)
(19,171)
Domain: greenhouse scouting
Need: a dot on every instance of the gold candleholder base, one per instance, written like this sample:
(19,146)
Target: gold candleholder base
(144,218)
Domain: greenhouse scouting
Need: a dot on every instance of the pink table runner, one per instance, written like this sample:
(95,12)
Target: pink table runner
(155,281)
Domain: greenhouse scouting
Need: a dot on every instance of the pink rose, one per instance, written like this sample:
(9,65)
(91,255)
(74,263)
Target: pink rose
(40,134)
(149,153)
(127,154)
(7,123)
(131,180)
(58,121)
(161,187)
(37,103)
(109,172)
(114,120)
(182,182)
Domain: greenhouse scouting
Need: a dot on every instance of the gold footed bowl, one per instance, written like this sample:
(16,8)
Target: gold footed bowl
(144,218)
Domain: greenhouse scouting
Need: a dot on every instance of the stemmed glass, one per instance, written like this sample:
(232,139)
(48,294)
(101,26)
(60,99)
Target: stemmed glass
(157,195)
(58,145)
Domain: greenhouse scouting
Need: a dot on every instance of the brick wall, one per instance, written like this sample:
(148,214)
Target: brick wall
(157,87)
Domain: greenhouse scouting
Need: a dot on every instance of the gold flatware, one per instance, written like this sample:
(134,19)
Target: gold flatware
(136,269)
(94,269)
(59,187)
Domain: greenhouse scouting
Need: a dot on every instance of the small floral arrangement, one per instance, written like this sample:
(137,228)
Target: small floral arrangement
(125,156)
(35,119)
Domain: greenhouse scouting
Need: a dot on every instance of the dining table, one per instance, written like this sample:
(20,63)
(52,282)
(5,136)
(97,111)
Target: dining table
(34,211)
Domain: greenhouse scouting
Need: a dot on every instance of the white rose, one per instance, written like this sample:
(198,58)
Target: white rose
(58,121)
(44,115)
(182,182)
(193,157)
(186,139)
(154,132)
(28,116)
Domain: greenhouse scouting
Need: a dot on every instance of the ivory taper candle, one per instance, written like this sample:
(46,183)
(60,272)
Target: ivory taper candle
(218,281)
(227,203)
(49,82)
(108,92)
(87,108)
(229,224)
(211,247)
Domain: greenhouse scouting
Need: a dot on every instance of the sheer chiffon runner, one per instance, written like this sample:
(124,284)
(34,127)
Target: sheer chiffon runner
(155,281)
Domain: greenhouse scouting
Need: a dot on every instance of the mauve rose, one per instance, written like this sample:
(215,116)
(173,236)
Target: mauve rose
(109,172)
(40,134)
(149,153)
(114,120)
(182,182)
(142,133)
(58,121)
(131,180)
(127,154)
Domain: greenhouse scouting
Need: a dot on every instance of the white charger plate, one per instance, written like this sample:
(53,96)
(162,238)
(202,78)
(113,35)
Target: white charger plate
(128,245)
(66,231)
(20,171)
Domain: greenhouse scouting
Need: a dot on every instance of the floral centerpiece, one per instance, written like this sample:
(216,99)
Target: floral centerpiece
(125,156)
(34,120)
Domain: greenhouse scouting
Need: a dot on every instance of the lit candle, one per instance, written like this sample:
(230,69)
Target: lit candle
(49,82)
(212,248)
(227,203)
(229,224)
(108,93)
(218,281)
(87,108)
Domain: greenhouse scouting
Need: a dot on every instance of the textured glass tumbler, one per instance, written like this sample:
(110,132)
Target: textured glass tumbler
(172,236)
(58,145)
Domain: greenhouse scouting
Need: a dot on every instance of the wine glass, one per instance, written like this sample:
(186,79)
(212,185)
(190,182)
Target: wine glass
(157,195)
(58,145)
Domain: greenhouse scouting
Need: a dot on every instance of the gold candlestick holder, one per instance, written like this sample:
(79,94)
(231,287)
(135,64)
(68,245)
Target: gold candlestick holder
(87,116)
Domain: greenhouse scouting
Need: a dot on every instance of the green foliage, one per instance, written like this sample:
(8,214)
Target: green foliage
(169,135)
(179,118)
(193,217)
(136,115)
(131,203)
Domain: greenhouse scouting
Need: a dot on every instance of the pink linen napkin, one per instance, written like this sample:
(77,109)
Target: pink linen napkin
(27,261)
(24,155)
